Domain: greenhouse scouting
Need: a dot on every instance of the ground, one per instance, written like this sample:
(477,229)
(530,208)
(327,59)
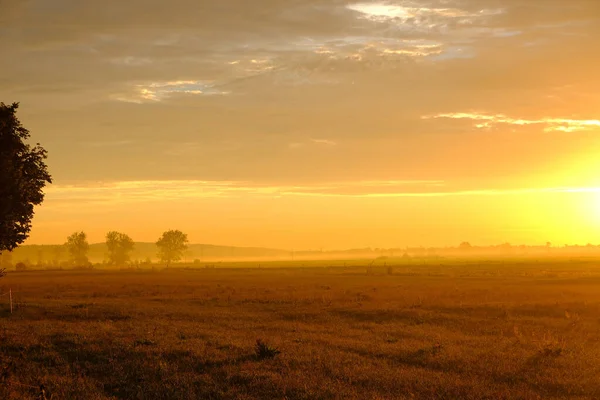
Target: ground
(503,329)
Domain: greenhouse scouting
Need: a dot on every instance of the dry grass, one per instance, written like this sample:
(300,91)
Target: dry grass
(519,330)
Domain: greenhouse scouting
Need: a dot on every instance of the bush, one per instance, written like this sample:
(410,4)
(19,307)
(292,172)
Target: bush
(21,266)
(263,350)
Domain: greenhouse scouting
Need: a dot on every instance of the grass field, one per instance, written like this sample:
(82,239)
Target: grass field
(454,330)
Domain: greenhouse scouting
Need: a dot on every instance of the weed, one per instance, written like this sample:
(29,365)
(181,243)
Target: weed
(263,350)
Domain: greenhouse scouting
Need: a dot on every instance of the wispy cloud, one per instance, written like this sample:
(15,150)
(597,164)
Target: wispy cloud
(483,192)
(401,14)
(114,193)
(486,121)
(130,61)
(325,142)
(109,143)
(314,142)
(158,91)
(253,65)
(444,32)
(164,190)
(368,48)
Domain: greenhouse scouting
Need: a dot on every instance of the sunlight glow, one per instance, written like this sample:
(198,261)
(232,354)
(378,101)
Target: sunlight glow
(485,121)
(595,209)
(382,12)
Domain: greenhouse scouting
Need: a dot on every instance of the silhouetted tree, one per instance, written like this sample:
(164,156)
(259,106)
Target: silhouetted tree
(78,247)
(119,246)
(57,254)
(23,175)
(21,266)
(171,246)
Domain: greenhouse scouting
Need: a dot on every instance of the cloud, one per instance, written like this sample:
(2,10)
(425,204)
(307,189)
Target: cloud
(111,143)
(450,24)
(486,121)
(159,91)
(482,192)
(91,44)
(164,190)
(360,73)
(419,17)
(405,30)
(124,192)
(367,49)
(314,142)
(130,61)
(325,142)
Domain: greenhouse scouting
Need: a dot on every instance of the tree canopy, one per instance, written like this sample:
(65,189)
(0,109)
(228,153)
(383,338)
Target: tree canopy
(78,247)
(23,175)
(119,247)
(171,246)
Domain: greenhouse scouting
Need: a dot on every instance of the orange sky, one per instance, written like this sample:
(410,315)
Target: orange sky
(314,124)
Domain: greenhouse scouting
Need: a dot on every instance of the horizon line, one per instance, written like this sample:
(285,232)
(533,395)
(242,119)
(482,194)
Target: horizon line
(371,248)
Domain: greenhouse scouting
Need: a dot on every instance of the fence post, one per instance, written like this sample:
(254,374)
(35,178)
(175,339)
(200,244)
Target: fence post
(10,296)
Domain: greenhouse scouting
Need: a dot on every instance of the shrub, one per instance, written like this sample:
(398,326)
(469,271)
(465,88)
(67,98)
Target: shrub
(263,350)
(21,266)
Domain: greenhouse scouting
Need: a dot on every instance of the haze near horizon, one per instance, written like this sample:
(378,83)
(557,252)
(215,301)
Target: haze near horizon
(312,124)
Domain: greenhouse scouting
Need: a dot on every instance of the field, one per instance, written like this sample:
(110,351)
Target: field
(434,330)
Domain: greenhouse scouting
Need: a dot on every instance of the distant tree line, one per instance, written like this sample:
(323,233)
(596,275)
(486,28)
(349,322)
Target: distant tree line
(74,252)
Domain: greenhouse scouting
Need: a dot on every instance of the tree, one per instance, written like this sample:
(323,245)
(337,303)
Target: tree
(119,246)
(78,247)
(58,254)
(171,246)
(23,176)
(21,266)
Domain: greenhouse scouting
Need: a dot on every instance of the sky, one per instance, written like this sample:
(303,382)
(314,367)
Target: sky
(312,124)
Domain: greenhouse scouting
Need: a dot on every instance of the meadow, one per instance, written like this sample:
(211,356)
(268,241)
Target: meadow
(443,329)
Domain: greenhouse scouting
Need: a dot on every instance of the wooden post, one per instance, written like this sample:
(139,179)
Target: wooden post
(10,297)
